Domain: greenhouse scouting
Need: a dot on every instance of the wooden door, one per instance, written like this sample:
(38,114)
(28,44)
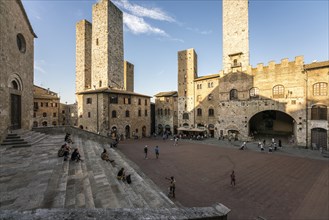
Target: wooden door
(15,111)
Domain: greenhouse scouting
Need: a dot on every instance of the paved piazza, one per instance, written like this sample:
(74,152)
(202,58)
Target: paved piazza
(290,184)
(269,185)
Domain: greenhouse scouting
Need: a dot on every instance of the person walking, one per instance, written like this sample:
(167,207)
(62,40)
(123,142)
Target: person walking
(175,140)
(172,186)
(280,143)
(233,178)
(156,152)
(145,151)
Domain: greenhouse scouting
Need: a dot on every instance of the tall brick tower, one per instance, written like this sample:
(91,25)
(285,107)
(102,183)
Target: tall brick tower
(107,46)
(187,72)
(235,35)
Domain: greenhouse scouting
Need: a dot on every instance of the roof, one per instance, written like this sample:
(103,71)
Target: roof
(108,90)
(19,2)
(316,65)
(166,94)
(207,77)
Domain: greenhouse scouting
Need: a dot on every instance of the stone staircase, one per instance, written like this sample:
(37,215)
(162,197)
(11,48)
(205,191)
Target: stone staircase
(22,138)
(35,178)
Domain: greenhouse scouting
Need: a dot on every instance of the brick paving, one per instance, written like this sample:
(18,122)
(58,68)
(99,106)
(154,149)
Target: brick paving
(269,185)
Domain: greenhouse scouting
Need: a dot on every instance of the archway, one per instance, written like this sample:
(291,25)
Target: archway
(319,138)
(45,124)
(270,124)
(144,131)
(168,129)
(127,131)
(35,124)
(160,129)
(211,129)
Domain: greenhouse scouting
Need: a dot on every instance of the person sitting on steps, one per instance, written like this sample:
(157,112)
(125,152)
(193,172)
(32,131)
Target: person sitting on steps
(121,174)
(105,156)
(76,155)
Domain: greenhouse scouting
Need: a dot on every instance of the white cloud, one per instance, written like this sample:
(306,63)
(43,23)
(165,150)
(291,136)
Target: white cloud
(199,31)
(38,66)
(137,10)
(137,25)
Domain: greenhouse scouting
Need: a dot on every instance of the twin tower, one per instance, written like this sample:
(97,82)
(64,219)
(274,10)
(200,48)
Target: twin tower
(100,53)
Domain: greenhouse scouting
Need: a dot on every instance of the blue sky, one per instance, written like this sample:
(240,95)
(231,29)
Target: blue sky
(155,30)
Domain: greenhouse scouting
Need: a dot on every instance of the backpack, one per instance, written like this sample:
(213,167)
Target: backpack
(128,178)
(60,153)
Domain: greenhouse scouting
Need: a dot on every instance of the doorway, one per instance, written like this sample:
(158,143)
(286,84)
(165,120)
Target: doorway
(16,111)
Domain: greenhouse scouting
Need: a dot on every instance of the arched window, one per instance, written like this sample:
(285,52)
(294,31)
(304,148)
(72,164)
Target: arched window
(254,92)
(127,114)
(278,91)
(211,112)
(21,43)
(199,112)
(35,124)
(44,114)
(320,89)
(319,112)
(114,114)
(161,112)
(165,111)
(235,62)
(14,85)
(233,94)
(54,123)
(185,116)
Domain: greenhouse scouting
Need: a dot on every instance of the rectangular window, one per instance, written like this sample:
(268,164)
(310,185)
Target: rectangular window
(89,101)
(145,101)
(41,104)
(145,112)
(139,101)
(114,99)
(54,114)
(34,114)
(56,105)
(46,104)
(89,114)
(51,104)
(139,113)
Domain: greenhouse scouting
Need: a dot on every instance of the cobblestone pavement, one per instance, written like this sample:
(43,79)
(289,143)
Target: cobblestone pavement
(291,183)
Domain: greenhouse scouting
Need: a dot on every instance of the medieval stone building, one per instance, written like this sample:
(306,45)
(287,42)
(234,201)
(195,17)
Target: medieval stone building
(287,100)
(16,67)
(166,112)
(46,107)
(105,93)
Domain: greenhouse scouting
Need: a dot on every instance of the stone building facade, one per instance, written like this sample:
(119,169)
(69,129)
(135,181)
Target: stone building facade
(68,114)
(286,100)
(46,107)
(166,112)
(105,93)
(16,67)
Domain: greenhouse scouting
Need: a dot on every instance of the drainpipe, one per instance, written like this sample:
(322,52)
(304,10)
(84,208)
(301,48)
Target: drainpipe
(306,104)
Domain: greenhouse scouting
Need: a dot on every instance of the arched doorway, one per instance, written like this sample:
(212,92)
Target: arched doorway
(160,129)
(81,127)
(168,129)
(144,131)
(319,138)
(35,124)
(44,124)
(127,131)
(211,129)
(175,129)
(271,123)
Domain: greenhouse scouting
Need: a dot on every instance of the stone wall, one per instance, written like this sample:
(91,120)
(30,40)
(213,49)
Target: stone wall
(128,76)
(107,46)
(235,34)
(83,55)
(187,72)
(16,63)
(168,106)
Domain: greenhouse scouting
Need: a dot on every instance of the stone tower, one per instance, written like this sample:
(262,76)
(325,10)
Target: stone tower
(235,36)
(187,72)
(129,76)
(107,46)
(83,55)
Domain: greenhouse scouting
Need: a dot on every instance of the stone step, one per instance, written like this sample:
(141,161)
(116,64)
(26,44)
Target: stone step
(21,145)
(10,142)
(13,137)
